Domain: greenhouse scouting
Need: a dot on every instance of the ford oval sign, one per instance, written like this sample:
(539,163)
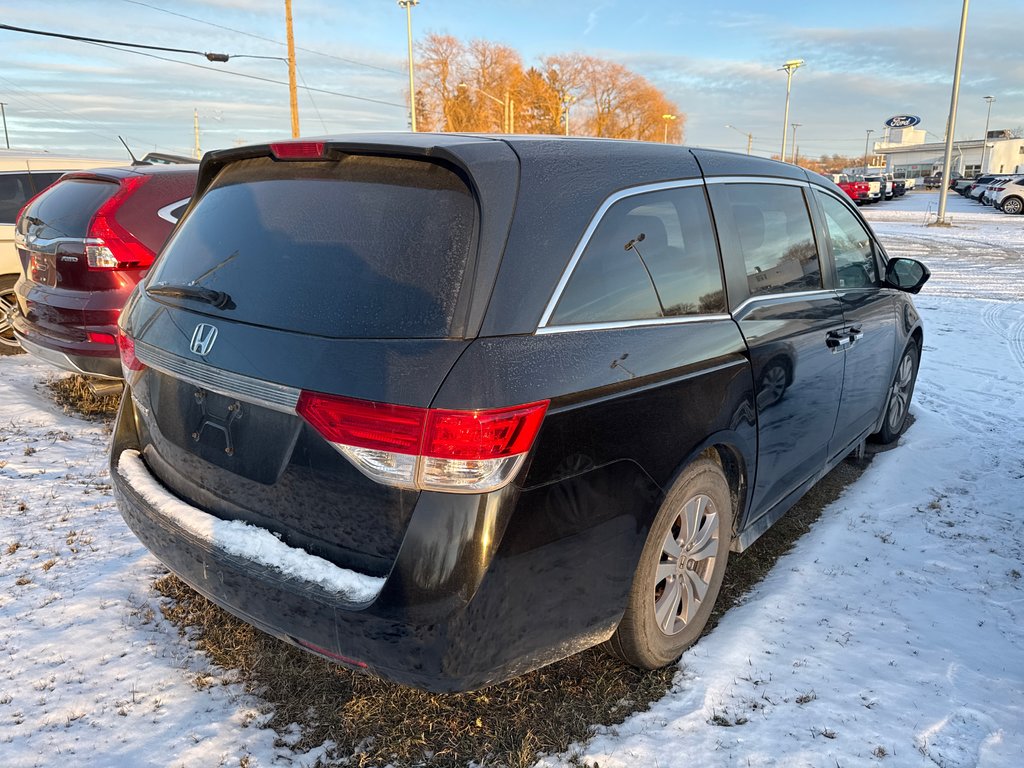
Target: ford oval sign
(902,121)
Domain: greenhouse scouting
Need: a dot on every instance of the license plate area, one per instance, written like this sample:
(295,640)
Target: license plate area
(241,437)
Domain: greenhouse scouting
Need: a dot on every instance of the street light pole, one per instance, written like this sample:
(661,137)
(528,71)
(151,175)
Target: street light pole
(984,138)
(789,68)
(507,106)
(794,126)
(940,217)
(867,136)
(408,4)
(750,136)
(4,114)
(567,102)
(668,119)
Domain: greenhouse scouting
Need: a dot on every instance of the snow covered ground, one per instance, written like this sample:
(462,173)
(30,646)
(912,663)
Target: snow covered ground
(892,635)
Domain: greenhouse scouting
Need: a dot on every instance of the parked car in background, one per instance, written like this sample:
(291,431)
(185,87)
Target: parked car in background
(898,186)
(875,189)
(909,183)
(406,404)
(859,191)
(977,188)
(1008,195)
(22,176)
(84,243)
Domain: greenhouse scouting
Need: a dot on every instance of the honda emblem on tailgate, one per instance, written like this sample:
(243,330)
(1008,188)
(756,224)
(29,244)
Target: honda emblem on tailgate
(203,338)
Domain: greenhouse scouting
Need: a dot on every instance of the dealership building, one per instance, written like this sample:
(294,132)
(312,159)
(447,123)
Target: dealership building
(906,154)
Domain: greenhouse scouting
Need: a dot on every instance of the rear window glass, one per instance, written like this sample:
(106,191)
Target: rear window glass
(363,247)
(66,208)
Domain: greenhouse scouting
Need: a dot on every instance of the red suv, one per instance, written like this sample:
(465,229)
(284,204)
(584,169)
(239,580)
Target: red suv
(84,243)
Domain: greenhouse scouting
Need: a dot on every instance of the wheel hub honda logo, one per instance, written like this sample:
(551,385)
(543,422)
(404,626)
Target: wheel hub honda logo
(203,338)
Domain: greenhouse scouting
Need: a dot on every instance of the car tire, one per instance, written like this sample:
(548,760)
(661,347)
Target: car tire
(1013,205)
(8,306)
(673,593)
(897,405)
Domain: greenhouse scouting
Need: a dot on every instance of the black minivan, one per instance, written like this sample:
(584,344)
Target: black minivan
(447,408)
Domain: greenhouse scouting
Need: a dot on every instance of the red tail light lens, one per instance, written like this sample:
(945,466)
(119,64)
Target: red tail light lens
(110,245)
(431,449)
(126,348)
(298,150)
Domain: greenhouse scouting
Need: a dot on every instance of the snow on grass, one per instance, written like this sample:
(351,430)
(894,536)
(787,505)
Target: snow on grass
(893,634)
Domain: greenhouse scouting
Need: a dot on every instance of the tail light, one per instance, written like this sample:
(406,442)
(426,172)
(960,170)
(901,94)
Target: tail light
(126,348)
(108,244)
(298,150)
(427,448)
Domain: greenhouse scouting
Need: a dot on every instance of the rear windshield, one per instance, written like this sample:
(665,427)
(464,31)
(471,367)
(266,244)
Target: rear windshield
(66,208)
(362,247)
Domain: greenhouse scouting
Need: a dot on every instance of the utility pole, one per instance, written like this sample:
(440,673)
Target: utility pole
(293,97)
(867,136)
(408,4)
(940,218)
(195,124)
(4,113)
(794,126)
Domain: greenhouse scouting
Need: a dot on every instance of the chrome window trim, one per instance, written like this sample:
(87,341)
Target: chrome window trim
(165,212)
(621,324)
(609,201)
(776,296)
(277,397)
(757,180)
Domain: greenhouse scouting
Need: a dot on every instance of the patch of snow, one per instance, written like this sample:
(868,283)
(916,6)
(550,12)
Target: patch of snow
(239,538)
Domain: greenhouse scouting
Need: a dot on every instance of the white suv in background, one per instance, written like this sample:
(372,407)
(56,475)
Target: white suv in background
(22,176)
(1008,195)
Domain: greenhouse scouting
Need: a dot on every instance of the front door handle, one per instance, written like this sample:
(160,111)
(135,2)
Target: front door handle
(838,340)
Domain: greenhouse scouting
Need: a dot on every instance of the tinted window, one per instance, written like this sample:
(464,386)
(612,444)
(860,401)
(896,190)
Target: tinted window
(15,189)
(652,255)
(65,209)
(851,245)
(363,247)
(42,179)
(776,239)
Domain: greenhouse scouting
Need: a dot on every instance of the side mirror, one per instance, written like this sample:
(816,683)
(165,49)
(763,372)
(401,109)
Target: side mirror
(906,274)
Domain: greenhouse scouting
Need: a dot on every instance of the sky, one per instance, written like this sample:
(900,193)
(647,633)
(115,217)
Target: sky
(718,62)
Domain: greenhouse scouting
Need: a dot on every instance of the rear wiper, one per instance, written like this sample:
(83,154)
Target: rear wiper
(218,299)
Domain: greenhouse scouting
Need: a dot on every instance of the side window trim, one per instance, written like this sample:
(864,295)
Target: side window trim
(881,259)
(739,296)
(589,232)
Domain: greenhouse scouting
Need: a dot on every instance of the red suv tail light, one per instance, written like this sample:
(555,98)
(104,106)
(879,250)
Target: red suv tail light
(108,244)
(427,448)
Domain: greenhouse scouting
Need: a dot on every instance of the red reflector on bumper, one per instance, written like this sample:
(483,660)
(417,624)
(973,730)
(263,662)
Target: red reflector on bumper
(331,654)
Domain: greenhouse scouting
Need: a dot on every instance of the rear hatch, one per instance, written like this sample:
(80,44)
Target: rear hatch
(344,275)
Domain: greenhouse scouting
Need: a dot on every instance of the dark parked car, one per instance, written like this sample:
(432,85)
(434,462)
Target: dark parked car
(448,408)
(84,243)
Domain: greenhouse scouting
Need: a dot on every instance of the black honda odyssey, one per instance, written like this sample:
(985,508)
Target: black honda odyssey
(448,408)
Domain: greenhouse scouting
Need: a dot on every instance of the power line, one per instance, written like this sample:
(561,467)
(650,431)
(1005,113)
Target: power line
(252,77)
(266,39)
(80,39)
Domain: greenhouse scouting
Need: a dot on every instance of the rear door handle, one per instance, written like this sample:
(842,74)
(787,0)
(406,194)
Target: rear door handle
(856,334)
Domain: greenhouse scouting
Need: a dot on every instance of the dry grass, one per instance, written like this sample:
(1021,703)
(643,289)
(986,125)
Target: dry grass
(374,722)
(75,395)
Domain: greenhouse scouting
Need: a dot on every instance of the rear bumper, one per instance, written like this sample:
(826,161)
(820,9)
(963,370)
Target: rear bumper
(99,366)
(54,325)
(480,591)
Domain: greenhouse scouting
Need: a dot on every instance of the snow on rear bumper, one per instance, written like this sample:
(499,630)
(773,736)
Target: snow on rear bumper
(246,541)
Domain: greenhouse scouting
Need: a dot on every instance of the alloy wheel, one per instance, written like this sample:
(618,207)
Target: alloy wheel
(688,554)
